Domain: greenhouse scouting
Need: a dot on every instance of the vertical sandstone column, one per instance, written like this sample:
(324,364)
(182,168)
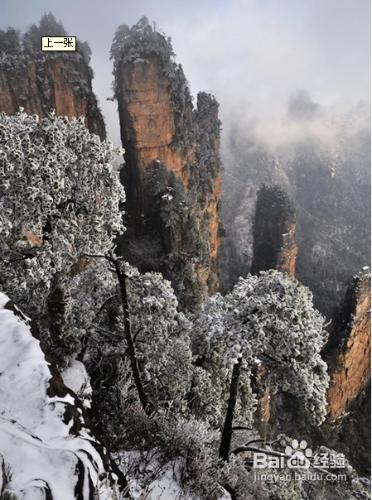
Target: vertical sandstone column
(349,349)
(274,231)
(40,82)
(172,172)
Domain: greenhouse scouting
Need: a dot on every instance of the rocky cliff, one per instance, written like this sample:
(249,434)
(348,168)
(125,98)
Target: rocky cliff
(347,353)
(60,457)
(274,231)
(172,172)
(42,81)
(349,349)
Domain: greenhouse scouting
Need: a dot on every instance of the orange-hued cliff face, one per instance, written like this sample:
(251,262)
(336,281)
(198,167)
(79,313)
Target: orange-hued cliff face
(172,174)
(349,355)
(148,121)
(288,252)
(59,83)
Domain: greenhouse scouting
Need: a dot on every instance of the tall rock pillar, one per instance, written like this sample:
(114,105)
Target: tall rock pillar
(274,245)
(172,171)
(40,82)
(348,352)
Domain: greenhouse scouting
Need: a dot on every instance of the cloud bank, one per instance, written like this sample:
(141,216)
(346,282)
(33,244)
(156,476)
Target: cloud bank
(252,54)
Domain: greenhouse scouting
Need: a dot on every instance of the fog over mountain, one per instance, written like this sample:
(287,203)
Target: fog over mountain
(251,54)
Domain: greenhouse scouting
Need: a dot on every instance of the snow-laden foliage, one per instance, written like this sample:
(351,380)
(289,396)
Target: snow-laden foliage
(208,140)
(92,291)
(48,26)
(160,338)
(129,43)
(44,442)
(185,231)
(187,447)
(211,377)
(11,43)
(267,319)
(16,51)
(59,199)
(160,333)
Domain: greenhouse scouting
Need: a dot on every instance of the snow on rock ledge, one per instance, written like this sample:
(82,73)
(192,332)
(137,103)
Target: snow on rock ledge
(77,379)
(46,448)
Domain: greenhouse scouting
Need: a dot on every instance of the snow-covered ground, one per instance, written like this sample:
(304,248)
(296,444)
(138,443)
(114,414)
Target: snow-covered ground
(77,379)
(149,479)
(41,454)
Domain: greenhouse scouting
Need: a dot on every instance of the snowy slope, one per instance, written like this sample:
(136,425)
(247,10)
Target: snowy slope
(76,378)
(151,479)
(42,452)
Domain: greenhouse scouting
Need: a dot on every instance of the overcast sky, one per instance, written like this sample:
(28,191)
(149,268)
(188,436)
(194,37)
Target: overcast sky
(252,54)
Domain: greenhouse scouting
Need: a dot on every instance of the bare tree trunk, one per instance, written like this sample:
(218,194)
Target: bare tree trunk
(228,425)
(129,339)
(59,344)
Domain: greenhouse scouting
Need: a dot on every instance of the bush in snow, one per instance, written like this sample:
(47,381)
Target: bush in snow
(185,446)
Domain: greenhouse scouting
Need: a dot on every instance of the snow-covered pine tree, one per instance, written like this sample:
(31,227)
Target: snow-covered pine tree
(159,333)
(265,318)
